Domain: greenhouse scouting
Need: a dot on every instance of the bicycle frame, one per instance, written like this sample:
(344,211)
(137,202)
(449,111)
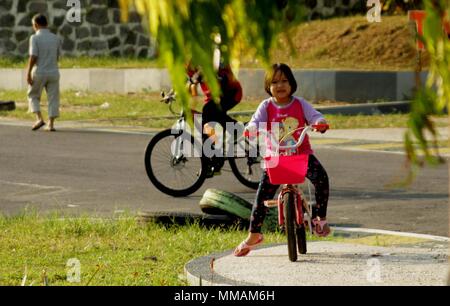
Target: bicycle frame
(295,229)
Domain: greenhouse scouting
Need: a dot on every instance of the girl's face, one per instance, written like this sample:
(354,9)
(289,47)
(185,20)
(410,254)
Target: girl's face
(280,88)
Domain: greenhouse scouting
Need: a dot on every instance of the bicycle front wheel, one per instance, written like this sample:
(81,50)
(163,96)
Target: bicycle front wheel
(171,166)
(290,224)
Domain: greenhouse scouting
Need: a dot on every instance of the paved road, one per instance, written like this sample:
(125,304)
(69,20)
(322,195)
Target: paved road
(81,171)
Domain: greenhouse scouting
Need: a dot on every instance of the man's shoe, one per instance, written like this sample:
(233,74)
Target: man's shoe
(37,125)
(50,129)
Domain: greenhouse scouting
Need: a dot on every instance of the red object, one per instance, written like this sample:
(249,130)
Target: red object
(251,134)
(447,27)
(299,210)
(320,127)
(230,86)
(418,17)
(289,169)
(280,212)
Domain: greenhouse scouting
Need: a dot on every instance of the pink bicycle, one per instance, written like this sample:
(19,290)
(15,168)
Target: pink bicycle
(288,171)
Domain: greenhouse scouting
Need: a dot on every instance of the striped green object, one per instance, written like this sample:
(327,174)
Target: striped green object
(219,202)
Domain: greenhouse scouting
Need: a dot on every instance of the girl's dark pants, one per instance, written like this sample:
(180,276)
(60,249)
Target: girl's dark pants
(266,191)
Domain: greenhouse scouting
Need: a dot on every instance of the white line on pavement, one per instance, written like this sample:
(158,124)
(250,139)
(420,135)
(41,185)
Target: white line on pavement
(392,233)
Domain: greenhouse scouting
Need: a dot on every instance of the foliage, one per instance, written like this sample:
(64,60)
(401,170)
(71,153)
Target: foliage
(435,97)
(193,30)
(401,6)
(188,30)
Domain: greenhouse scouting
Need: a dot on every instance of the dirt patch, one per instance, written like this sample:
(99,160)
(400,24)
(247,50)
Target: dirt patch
(352,43)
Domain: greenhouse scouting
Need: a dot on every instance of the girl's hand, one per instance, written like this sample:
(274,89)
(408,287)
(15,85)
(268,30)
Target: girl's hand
(250,131)
(322,126)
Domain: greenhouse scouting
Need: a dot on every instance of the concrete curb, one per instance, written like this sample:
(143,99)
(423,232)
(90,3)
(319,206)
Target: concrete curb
(367,109)
(199,273)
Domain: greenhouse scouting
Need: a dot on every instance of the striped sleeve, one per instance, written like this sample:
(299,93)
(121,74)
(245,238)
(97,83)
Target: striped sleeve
(260,115)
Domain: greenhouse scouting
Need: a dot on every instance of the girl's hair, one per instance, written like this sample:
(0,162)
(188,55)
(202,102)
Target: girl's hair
(283,68)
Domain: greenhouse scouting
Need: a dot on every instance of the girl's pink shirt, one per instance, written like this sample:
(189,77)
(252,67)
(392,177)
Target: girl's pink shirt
(268,112)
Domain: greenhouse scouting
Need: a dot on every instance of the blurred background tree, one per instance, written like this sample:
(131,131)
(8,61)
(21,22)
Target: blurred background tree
(192,30)
(393,7)
(434,98)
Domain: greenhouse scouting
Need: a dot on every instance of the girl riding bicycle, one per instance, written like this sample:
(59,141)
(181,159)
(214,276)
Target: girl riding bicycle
(290,113)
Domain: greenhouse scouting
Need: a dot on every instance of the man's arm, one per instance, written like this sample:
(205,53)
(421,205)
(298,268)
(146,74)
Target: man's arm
(33,52)
(31,62)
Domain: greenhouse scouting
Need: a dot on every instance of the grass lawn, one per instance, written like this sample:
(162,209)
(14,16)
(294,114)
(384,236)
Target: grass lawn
(117,252)
(87,62)
(145,110)
(111,252)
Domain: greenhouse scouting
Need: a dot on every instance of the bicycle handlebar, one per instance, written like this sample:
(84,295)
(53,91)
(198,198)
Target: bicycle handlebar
(305,129)
(169,98)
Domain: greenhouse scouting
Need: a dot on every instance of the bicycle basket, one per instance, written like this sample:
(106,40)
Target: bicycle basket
(290,169)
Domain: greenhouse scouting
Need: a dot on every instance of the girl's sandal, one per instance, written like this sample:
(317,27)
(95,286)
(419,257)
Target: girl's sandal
(244,248)
(320,227)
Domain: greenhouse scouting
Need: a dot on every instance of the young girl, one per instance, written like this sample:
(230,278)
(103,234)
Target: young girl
(284,108)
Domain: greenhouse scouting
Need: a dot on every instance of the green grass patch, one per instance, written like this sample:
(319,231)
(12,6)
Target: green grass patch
(365,121)
(110,252)
(122,251)
(145,110)
(83,62)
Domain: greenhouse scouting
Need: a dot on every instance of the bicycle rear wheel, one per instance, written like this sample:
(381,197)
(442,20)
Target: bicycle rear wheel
(171,166)
(290,224)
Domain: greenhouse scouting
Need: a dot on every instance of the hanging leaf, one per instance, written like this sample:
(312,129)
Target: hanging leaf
(186,30)
(435,96)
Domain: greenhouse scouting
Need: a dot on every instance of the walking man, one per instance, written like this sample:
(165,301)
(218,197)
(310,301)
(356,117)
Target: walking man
(43,72)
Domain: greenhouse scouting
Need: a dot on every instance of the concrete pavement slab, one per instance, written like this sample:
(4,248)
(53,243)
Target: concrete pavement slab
(415,262)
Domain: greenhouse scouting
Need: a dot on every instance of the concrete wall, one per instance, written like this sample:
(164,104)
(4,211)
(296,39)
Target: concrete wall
(98,32)
(351,86)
